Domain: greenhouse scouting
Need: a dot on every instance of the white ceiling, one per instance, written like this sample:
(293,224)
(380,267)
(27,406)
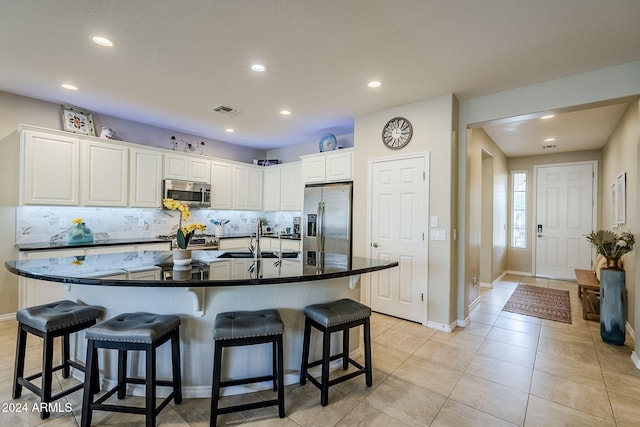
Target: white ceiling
(174,60)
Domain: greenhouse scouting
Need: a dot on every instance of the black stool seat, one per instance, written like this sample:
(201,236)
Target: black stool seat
(240,328)
(133,332)
(340,315)
(48,321)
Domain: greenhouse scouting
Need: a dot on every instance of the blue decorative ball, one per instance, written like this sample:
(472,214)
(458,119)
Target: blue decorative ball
(328,142)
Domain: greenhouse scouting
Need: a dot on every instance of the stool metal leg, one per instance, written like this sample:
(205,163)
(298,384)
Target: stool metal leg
(122,373)
(19,368)
(215,389)
(47,374)
(150,383)
(367,353)
(274,364)
(175,361)
(345,348)
(66,356)
(91,370)
(326,358)
(305,351)
(280,377)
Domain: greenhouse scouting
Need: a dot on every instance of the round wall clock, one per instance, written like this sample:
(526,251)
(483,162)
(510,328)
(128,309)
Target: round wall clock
(397,133)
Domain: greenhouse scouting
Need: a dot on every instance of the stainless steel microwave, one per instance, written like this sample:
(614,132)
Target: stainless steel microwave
(192,194)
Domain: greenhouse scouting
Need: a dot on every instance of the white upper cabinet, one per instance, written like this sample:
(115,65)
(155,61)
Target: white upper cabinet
(291,187)
(247,187)
(50,168)
(187,168)
(331,166)
(339,166)
(145,178)
(221,185)
(104,171)
(271,194)
(236,186)
(283,188)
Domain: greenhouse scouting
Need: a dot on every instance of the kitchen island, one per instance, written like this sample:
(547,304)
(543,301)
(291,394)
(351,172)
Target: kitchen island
(216,281)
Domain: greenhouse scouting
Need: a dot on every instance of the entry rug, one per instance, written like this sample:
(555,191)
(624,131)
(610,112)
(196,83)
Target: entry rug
(544,303)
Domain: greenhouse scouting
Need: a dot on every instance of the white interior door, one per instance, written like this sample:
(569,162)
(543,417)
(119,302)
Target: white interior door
(564,216)
(399,208)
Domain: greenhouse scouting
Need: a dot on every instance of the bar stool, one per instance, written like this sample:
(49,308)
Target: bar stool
(48,321)
(341,315)
(242,328)
(132,332)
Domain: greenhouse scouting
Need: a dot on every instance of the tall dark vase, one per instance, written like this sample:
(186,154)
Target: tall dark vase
(612,305)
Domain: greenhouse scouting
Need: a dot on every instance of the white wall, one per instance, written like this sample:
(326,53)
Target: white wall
(620,155)
(433,125)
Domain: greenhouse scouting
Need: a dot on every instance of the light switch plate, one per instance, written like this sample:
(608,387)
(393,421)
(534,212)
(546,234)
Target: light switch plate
(438,234)
(434,221)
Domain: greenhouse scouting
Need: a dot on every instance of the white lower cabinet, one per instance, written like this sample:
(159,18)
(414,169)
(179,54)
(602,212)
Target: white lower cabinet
(234,243)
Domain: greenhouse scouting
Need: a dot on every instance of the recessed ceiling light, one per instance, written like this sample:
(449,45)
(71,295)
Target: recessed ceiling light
(549,140)
(374,83)
(285,112)
(548,116)
(68,86)
(229,130)
(258,68)
(102,41)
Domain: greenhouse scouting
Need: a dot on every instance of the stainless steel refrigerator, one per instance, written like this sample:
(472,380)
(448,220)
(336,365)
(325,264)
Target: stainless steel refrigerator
(326,227)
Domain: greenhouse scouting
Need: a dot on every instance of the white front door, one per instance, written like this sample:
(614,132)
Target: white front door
(399,208)
(564,216)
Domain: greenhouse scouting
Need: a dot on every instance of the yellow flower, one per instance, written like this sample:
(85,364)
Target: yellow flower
(170,204)
(190,228)
(184,234)
(77,221)
(184,211)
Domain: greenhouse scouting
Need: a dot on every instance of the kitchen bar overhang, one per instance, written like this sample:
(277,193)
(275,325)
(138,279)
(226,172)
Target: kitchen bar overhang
(112,282)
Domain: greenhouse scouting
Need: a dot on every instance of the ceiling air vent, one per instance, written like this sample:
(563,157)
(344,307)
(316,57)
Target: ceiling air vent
(223,109)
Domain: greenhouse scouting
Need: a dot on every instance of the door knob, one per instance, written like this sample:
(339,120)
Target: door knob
(375,245)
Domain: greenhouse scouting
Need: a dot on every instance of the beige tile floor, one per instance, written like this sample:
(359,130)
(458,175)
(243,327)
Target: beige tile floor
(504,369)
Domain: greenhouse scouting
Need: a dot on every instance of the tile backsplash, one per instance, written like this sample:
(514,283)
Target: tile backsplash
(35,224)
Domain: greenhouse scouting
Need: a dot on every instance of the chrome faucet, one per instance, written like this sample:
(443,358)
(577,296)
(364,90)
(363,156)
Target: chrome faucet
(255,248)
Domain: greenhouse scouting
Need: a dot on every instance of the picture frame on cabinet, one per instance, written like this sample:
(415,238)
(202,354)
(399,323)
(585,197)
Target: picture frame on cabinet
(77,121)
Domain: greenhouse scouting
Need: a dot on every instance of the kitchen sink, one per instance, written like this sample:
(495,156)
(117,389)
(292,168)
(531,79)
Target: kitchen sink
(264,254)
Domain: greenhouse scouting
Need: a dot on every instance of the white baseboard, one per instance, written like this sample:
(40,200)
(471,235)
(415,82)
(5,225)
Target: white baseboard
(630,329)
(463,323)
(474,303)
(442,327)
(635,359)
(8,316)
(486,285)
(520,273)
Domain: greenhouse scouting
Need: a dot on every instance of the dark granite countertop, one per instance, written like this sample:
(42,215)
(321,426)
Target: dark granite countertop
(96,269)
